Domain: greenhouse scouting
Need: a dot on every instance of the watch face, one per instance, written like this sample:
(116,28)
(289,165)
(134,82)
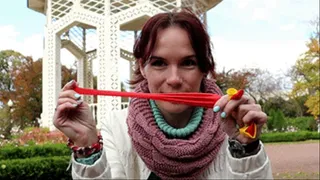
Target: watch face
(236,148)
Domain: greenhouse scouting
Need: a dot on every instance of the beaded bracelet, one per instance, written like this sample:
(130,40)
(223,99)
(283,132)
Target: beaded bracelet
(86,151)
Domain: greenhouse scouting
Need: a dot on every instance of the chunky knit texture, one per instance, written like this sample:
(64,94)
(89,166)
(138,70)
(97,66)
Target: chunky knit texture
(174,158)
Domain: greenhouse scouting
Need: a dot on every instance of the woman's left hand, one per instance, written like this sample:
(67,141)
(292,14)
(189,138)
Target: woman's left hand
(235,114)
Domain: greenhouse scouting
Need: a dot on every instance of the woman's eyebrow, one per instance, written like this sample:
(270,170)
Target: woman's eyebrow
(157,57)
(161,58)
(189,56)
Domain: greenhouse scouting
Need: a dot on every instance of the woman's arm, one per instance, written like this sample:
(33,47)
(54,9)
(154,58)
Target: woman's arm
(108,166)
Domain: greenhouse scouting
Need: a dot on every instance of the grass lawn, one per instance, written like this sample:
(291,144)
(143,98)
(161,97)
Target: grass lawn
(294,142)
(296,175)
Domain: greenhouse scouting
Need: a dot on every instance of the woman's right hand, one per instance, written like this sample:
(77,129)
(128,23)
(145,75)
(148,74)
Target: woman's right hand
(73,117)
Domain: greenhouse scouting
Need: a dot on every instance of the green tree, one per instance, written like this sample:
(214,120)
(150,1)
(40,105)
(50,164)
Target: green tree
(306,75)
(289,107)
(276,120)
(279,121)
(271,117)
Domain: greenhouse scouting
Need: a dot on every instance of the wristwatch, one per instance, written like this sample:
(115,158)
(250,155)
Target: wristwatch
(239,150)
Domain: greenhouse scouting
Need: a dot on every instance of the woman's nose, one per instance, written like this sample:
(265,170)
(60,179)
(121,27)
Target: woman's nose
(174,77)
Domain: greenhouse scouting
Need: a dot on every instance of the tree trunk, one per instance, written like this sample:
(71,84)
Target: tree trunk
(7,131)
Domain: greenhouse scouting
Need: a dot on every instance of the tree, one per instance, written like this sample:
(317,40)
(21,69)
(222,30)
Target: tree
(235,79)
(306,74)
(276,120)
(28,90)
(22,83)
(67,75)
(289,107)
(8,60)
(265,85)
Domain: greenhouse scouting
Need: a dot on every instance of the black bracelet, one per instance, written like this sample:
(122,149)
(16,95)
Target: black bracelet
(239,150)
(251,147)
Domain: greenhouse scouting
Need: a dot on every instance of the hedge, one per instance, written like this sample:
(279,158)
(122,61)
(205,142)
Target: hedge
(36,168)
(46,150)
(289,136)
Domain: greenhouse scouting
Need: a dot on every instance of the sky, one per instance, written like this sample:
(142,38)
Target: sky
(265,34)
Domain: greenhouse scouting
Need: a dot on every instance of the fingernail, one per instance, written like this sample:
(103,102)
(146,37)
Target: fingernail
(74,105)
(223,115)
(216,109)
(70,82)
(79,101)
(77,96)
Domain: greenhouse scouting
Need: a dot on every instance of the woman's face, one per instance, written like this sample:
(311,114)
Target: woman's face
(172,67)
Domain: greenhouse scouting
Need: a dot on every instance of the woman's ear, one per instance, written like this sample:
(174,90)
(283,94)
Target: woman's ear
(141,68)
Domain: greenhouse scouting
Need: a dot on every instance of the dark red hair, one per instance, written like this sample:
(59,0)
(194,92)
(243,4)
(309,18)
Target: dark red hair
(186,20)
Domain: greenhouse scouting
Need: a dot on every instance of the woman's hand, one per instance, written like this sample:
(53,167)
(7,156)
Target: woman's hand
(237,113)
(73,117)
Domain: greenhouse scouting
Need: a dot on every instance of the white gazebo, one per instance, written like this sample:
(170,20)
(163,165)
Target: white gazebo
(112,24)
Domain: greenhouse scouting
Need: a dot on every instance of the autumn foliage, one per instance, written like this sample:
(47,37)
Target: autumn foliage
(37,136)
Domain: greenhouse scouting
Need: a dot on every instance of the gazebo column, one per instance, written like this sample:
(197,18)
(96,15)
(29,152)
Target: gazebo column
(84,75)
(88,79)
(82,62)
(51,77)
(103,56)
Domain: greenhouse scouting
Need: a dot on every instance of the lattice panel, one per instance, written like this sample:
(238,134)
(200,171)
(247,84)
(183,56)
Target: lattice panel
(92,55)
(96,6)
(80,38)
(75,35)
(164,5)
(60,8)
(120,5)
(196,6)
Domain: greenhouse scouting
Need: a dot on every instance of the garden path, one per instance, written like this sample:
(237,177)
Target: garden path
(294,157)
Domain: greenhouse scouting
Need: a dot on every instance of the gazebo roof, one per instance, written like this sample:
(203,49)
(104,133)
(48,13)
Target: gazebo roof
(211,3)
(37,5)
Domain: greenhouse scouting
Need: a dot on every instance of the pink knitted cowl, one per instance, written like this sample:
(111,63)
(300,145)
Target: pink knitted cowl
(174,158)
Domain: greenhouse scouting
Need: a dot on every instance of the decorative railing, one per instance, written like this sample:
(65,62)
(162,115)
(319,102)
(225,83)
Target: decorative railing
(94,109)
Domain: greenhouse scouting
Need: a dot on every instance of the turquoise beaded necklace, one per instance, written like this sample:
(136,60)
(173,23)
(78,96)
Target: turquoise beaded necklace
(174,132)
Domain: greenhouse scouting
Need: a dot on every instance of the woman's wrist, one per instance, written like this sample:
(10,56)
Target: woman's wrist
(87,150)
(86,142)
(90,159)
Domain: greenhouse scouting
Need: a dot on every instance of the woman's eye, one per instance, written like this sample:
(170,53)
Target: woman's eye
(158,63)
(189,62)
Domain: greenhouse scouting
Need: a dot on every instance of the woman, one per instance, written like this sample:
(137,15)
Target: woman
(156,139)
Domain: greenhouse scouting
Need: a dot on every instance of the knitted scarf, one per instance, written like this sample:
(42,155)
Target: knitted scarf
(174,158)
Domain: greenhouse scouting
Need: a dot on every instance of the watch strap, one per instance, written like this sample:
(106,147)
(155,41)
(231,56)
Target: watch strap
(239,150)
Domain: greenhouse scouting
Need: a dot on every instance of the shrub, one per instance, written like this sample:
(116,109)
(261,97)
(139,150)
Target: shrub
(35,135)
(35,168)
(289,136)
(45,150)
(41,136)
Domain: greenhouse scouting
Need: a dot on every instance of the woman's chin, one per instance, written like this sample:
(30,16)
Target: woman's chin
(173,108)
